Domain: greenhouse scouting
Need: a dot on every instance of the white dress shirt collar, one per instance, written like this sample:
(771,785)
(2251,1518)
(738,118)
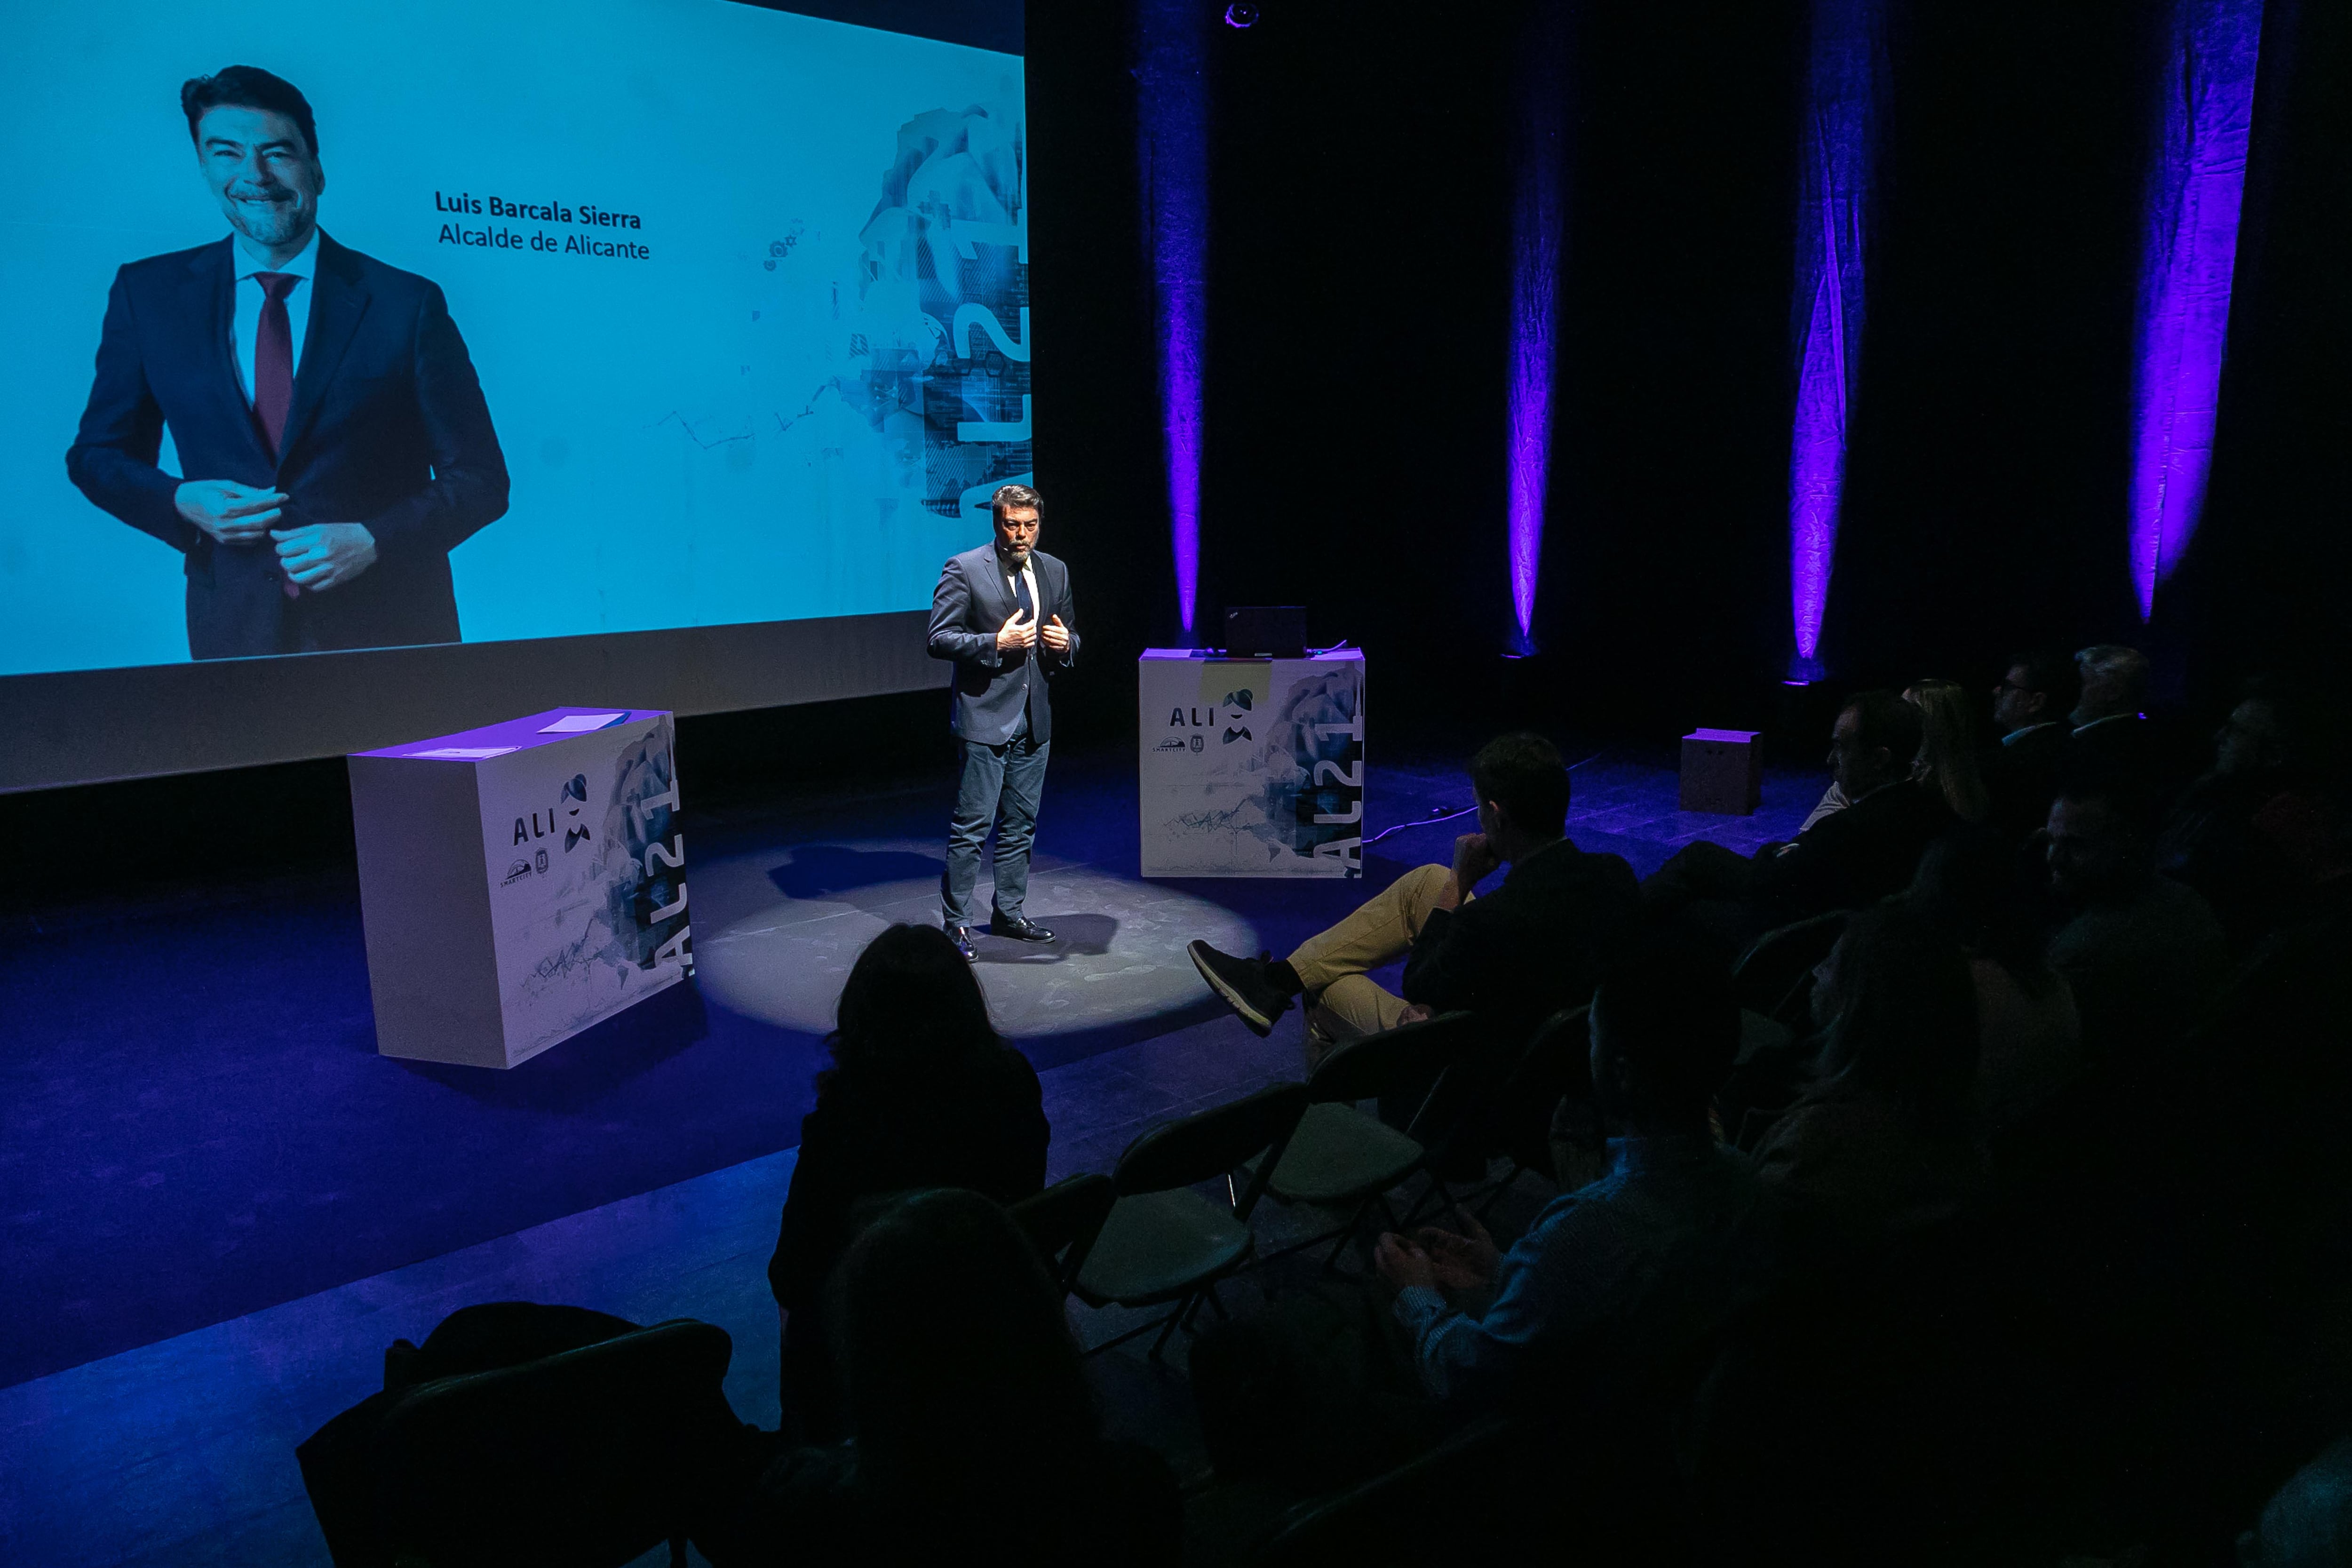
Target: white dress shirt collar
(302,264)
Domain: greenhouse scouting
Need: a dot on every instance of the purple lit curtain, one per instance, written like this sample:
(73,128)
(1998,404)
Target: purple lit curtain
(2197,183)
(1172,111)
(1845,90)
(1537,219)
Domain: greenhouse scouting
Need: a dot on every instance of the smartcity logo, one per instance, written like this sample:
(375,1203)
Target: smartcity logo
(517,871)
(1170,744)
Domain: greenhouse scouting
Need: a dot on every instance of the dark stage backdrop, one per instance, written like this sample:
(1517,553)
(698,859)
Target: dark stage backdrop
(1358,286)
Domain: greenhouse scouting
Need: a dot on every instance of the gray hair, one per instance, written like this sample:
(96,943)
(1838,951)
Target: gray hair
(2118,669)
(1014,498)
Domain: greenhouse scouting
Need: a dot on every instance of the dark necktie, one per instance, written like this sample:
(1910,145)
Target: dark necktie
(273,357)
(273,370)
(1021,596)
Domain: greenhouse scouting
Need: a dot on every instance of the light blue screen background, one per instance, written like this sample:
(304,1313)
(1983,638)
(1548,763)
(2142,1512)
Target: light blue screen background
(765,421)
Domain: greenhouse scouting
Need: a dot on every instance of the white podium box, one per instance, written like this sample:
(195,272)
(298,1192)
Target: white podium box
(1251,767)
(520,883)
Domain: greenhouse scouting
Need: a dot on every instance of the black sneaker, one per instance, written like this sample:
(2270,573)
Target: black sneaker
(1243,983)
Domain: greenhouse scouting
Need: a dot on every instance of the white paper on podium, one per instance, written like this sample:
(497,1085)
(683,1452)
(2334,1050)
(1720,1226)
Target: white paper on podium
(580,723)
(464,754)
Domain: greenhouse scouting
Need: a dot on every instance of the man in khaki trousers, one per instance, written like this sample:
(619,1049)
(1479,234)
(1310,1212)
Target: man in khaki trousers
(1536,943)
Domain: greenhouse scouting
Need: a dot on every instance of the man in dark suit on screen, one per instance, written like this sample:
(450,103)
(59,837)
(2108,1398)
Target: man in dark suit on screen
(1002,613)
(332,433)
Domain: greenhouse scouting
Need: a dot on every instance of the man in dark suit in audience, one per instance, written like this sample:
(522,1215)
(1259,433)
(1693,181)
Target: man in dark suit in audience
(1845,860)
(2112,736)
(2031,706)
(332,435)
(2143,953)
(1534,945)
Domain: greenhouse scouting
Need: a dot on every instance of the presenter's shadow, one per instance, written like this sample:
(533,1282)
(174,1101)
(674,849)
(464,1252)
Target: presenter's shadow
(1075,936)
(829,870)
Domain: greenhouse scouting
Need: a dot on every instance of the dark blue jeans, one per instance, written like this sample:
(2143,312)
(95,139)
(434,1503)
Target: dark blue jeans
(1000,785)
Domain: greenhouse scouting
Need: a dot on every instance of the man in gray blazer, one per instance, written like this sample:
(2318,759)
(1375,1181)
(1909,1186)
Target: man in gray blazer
(1002,613)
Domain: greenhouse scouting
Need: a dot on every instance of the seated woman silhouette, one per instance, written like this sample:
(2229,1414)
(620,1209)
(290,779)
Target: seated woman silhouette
(922,1093)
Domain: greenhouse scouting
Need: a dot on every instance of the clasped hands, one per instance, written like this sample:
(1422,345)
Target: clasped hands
(315,557)
(1017,632)
(1435,1258)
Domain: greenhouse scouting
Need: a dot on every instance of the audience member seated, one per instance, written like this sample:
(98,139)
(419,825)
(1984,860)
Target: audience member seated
(1845,860)
(2028,1035)
(1948,764)
(1534,945)
(2308,1522)
(921,1093)
(2143,953)
(975,1436)
(339,1460)
(1883,1142)
(2112,735)
(2031,707)
(1612,1288)
(2253,835)
(1951,763)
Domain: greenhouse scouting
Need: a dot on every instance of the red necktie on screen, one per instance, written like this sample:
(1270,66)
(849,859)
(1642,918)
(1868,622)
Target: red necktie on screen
(273,368)
(273,356)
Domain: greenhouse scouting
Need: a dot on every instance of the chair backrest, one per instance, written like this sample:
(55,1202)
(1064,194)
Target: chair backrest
(1370,1065)
(1511,1105)
(1556,1060)
(1063,1221)
(1779,964)
(591,1457)
(1211,1144)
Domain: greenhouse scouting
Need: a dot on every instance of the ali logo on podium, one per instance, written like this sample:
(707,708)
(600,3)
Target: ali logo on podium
(567,816)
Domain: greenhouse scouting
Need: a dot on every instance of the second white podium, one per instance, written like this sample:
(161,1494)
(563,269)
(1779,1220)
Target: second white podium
(1251,767)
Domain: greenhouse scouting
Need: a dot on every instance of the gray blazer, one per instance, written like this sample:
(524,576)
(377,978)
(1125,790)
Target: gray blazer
(993,686)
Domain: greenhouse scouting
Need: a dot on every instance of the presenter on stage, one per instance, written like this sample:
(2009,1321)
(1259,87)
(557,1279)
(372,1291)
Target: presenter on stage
(332,439)
(1003,613)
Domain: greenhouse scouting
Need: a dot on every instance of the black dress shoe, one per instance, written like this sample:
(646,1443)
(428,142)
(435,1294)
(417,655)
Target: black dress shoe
(961,937)
(1018,930)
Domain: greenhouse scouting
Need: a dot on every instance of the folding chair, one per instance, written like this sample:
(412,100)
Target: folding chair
(592,1457)
(1342,1158)
(1515,1111)
(1063,1221)
(1775,976)
(1163,1244)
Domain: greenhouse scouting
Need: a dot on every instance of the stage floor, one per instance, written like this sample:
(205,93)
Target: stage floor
(222,1203)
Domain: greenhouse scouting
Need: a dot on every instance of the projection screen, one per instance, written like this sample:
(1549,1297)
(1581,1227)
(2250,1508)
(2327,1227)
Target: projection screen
(648,353)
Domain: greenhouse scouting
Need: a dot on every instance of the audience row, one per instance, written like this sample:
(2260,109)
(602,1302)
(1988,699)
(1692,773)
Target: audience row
(1933,1136)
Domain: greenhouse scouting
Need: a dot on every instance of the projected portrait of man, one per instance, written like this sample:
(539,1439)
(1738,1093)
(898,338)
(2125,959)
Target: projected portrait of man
(333,444)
